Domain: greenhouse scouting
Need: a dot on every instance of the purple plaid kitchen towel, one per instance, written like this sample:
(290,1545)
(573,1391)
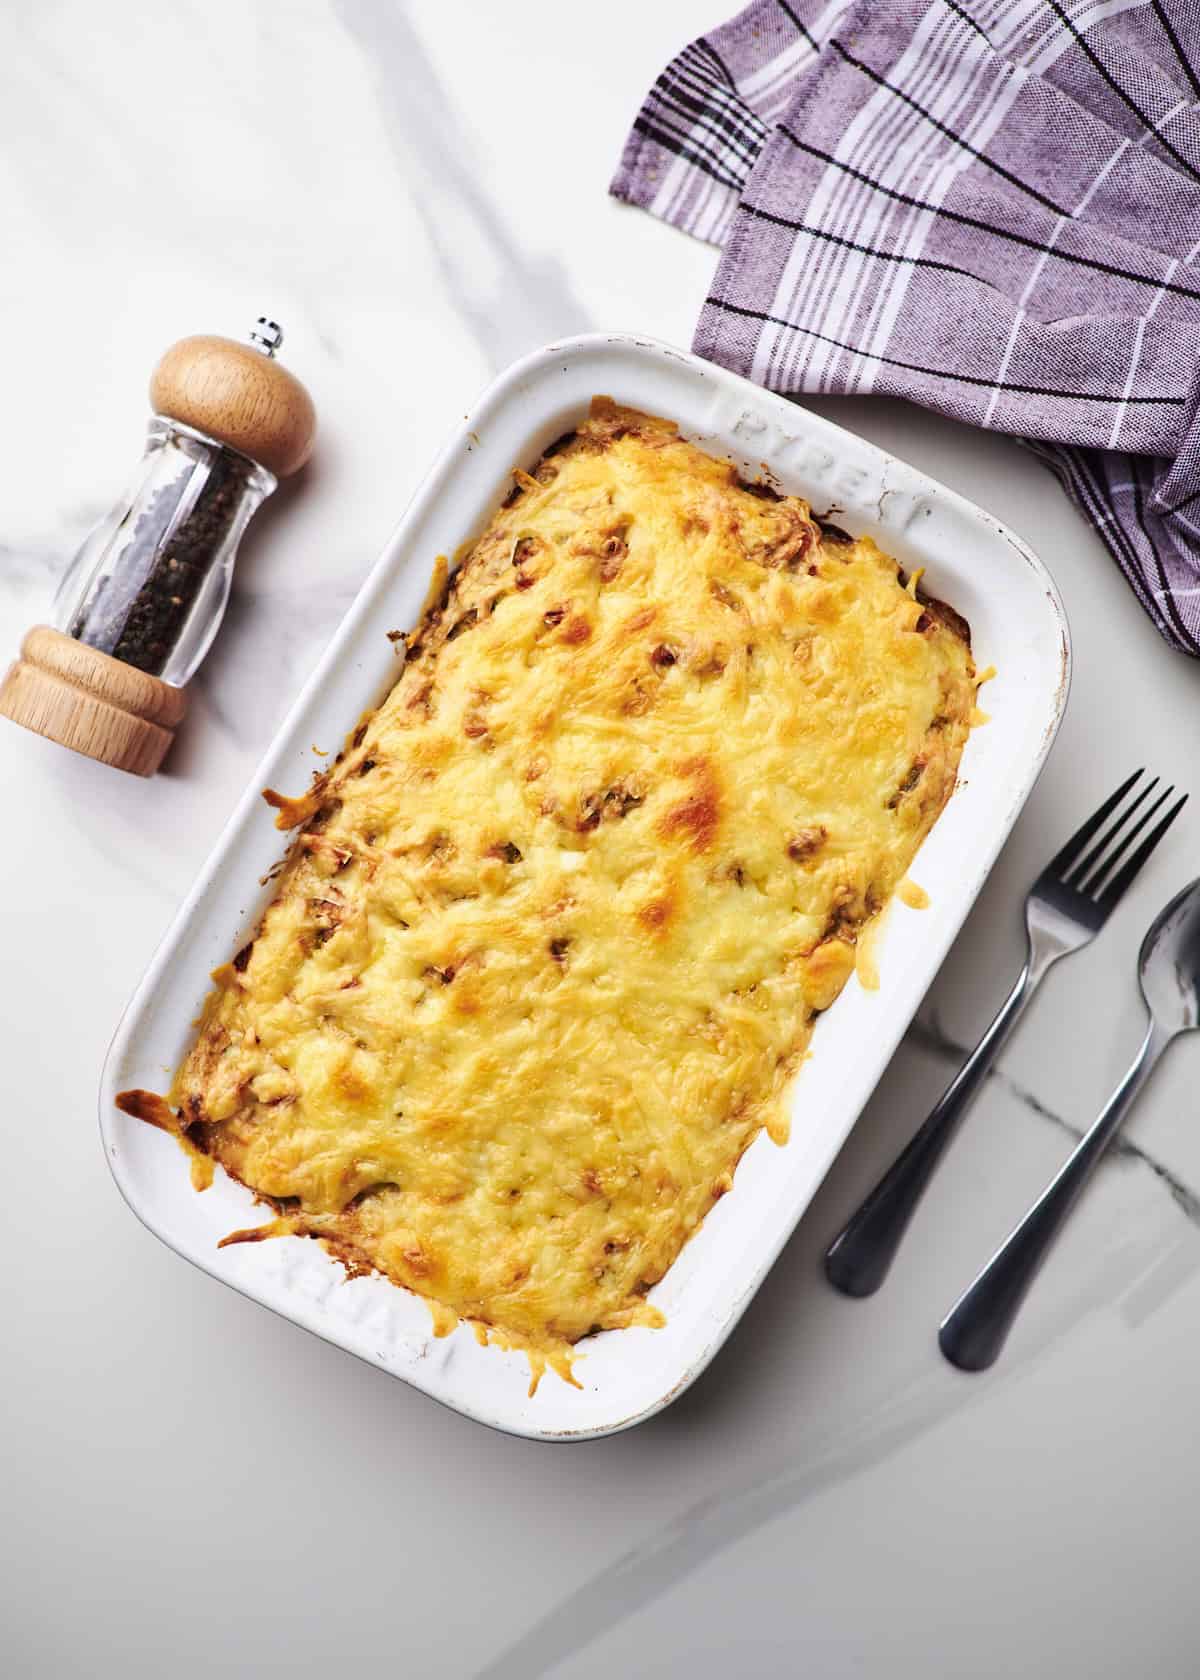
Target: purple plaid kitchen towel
(991,207)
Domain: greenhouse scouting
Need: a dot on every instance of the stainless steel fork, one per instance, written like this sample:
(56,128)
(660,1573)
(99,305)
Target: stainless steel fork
(1066,907)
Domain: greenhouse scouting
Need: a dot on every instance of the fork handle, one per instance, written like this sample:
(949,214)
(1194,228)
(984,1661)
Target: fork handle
(977,1326)
(859,1259)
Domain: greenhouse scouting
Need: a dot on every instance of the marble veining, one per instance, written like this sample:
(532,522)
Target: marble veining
(507,300)
(928,1033)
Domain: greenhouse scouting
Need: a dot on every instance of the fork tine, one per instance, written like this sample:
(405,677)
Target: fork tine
(1090,885)
(1075,877)
(1116,887)
(1063,860)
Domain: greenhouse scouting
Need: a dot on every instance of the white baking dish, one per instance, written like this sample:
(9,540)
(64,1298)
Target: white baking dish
(1017,624)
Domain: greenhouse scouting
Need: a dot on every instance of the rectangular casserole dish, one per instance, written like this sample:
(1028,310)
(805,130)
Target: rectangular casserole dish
(1017,624)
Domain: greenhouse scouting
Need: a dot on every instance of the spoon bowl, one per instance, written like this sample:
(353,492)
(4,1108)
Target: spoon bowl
(1169,964)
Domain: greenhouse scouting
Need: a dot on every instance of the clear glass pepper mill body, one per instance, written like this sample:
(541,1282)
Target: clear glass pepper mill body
(150,584)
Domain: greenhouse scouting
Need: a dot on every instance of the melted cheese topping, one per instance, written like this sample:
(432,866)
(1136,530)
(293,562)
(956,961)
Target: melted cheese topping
(548,949)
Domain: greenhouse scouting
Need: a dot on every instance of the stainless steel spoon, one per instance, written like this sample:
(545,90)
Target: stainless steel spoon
(975,1329)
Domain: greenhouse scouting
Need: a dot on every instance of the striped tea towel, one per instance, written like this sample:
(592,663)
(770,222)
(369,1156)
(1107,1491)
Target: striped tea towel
(991,207)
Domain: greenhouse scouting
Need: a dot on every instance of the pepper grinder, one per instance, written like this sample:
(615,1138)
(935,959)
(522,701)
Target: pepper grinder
(140,604)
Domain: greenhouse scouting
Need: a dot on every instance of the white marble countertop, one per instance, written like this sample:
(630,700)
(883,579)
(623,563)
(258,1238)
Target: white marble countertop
(195,1487)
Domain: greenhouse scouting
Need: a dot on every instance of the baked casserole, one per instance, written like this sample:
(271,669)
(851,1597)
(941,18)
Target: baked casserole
(549,944)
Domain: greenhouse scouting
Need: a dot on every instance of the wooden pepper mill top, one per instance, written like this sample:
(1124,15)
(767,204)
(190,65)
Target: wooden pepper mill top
(238,394)
(137,611)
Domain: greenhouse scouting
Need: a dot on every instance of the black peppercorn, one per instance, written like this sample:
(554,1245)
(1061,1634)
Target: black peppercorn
(138,614)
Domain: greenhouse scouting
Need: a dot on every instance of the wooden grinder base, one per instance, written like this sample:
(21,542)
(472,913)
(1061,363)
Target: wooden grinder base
(92,703)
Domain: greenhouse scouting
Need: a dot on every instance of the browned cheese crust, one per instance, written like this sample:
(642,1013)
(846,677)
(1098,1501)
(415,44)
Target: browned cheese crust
(547,950)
